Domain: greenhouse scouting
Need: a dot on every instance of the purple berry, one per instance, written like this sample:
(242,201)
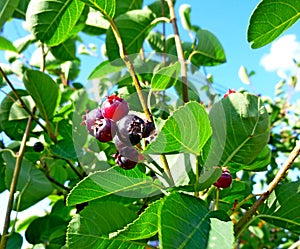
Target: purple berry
(127,157)
(90,118)
(130,129)
(38,147)
(104,129)
(225,179)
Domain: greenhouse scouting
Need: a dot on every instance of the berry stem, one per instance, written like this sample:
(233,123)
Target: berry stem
(245,220)
(217,199)
(167,168)
(180,54)
(14,182)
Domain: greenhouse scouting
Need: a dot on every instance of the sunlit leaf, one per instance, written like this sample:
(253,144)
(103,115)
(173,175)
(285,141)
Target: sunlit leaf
(93,225)
(270,19)
(6,45)
(186,130)
(52,21)
(106,7)
(7,8)
(185,18)
(131,183)
(208,51)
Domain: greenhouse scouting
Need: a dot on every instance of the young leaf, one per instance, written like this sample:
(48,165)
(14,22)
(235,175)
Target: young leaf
(44,91)
(186,130)
(282,208)
(165,77)
(185,18)
(103,69)
(131,183)
(32,185)
(240,129)
(7,8)
(106,7)
(134,27)
(185,222)
(93,225)
(52,21)
(270,19)
(7,45)
(145,226)
(208,51)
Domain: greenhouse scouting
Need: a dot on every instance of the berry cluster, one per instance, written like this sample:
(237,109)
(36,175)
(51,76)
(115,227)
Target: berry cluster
(112,121)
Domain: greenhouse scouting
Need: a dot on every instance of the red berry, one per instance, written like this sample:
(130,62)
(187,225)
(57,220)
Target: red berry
(230,91)
(114,108)
(225,179)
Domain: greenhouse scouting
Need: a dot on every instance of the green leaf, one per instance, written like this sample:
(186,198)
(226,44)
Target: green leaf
(103,69)
(17,112)
(145,226)
(2,175)
(282,207)
(13,128)
(127,5)
(50,229)
(186,130)
(44,91)
(14,241)
(7,8)
(52,21)
(33,185)
(134,27)
(131,183)
(185,18)
(217,237)
(155,40)
(185,222)
(65,51)
(93,225)
(6,45)
(165,77)
(20,11)
(271,18)
(106,7)
(241,130)
(208,51)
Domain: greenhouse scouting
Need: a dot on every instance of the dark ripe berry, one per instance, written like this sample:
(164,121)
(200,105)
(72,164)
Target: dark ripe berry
(90,118)
(38,147)
(127,157)
(230,91)
(114,108)
(130,129)
(148,128)
(225,179)
(104,129)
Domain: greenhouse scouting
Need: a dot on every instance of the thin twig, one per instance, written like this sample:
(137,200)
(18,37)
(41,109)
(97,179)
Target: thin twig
(129,65)
(13,184)
(167,168)
(180,53)
(280,174)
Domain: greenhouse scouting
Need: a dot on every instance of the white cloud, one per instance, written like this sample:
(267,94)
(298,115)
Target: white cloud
(281,55)
(281,58)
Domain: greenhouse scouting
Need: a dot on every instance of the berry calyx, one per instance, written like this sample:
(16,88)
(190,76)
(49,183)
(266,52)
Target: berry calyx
(114,108)
(131,129)
(127,157)
(225,179)
(230,91)
(38,147)
(104,129)
(89,119)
